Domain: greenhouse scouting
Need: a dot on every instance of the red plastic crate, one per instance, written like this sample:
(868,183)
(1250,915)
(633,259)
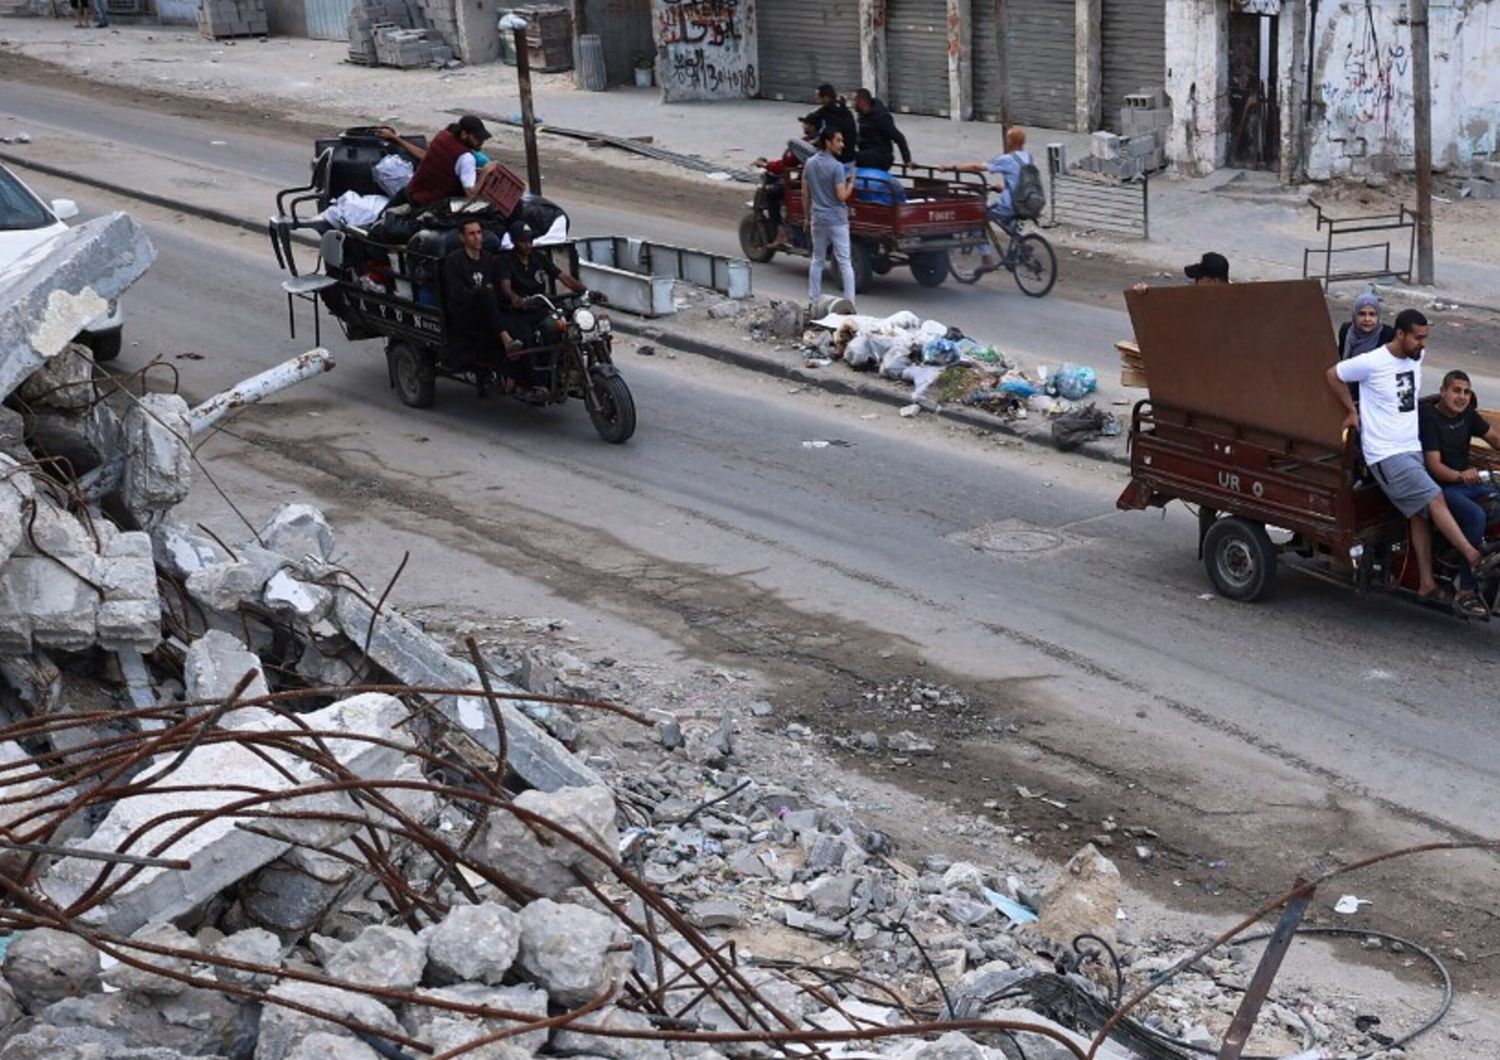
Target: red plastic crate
(502,189)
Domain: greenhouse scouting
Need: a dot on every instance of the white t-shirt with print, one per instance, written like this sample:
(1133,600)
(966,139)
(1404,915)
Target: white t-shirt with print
(1388,389)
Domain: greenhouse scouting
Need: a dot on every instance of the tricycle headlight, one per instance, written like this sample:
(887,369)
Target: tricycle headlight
(585,320)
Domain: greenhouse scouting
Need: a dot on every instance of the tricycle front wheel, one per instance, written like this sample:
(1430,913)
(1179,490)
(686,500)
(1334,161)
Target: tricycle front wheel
(1240,558)
(612,409)
(755,238)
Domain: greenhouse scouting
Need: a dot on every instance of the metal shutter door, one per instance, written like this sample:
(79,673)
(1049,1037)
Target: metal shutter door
(916,46)
(328,19)
(989,75)
(1040,58)
(803,44)
(1133,37)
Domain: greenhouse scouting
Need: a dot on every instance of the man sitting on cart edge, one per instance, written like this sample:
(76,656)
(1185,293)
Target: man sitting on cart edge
(1389,380)
(471,290)
(446,168)
(1447,425)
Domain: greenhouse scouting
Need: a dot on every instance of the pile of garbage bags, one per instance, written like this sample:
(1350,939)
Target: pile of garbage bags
(945,366)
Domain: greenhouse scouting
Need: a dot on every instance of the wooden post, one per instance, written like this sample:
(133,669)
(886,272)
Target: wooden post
(1421,125)
(528,114)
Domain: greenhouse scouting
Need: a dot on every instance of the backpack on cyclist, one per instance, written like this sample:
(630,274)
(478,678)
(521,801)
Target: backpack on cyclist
(1030,198)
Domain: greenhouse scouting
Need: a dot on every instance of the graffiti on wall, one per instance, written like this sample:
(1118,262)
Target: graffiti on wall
(705,49)
(1363,81)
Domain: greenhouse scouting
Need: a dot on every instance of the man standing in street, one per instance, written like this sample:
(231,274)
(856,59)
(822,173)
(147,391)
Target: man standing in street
(1447,426)
(827,185)
(833,115)
(878,136)
(1390,378)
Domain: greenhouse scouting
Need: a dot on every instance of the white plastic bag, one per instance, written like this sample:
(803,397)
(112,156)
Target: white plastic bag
(393,172)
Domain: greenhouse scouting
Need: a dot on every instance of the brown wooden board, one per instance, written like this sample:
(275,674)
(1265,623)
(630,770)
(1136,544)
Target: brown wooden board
(1253,353)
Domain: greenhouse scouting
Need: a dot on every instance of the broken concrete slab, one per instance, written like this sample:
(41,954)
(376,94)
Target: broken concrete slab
(220,852)
(381,956)
(399,647)
(575,1039)
(716,913)
(540,859)
(122,976)
(298,530)
(320,1045)
(251,946)
(52,291)
(225,586)
(434,1024)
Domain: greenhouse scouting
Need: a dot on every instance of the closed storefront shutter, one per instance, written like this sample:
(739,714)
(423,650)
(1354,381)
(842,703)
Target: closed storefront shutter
(989,76)
(1040,60)
(802,44)
(328,19)
(916,48)
(1134,43)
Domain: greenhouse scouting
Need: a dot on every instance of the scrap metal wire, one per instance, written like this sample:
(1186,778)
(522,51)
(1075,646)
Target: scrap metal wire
(87,763)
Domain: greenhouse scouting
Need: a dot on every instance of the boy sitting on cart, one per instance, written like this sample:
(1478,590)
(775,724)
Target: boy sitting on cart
(1390,378)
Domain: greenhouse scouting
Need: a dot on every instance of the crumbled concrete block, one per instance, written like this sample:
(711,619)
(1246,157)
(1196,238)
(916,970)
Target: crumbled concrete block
(1084,899)
(304,601)
(822,927)
(788,319)
(220,852)
(124,976)
(182,552)
(473,943)
(10,1009)
(434,1024)
(321,1045)
(566,949)
(403,650)
(832,896)
(122,625)
(13,435)
(575,1039)
(1105,145)
(251,946)
(215,663)
(381,956)
(716,913)
(514,847)
(281,1029)
(45,965)
(158,457)
(298,530)
(225,586)
(951,1046)
(64,382)
(43,599)
(50,292)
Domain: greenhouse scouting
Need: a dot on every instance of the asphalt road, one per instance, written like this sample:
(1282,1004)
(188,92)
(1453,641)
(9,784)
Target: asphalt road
(1319,725)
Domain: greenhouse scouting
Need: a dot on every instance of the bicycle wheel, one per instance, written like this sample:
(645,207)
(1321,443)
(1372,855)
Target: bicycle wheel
(1034,265)
(964,262)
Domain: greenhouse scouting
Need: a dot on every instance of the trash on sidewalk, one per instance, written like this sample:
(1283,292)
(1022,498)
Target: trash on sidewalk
(1349,904)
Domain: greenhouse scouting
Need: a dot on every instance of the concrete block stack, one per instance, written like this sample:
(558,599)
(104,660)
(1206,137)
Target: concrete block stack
(1484,183)
(402,33)
(1141,145)
(232,18)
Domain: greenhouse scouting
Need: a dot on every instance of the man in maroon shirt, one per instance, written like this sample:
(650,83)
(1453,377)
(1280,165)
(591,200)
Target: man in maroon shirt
(445,167)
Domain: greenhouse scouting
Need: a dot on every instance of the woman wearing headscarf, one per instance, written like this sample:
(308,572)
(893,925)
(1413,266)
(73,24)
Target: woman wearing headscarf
(1364,331)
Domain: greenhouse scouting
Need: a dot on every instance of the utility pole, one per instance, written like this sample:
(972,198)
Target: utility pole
(1421,127)
(517,25)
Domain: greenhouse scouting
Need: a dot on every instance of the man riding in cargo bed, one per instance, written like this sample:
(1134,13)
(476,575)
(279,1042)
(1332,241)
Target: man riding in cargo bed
(1390,378)
(1447,427)
(446,167)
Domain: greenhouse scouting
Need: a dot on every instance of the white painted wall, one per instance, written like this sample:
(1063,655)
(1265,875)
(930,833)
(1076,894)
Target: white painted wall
(1361,86)
(1197,83)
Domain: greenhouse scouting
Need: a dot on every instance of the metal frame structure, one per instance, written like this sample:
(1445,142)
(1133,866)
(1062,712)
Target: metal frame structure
(1336,228)
(1099,202)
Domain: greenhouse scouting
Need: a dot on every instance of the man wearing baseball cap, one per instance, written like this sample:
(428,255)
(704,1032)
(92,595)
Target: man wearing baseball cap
(1211,268)
(446,168)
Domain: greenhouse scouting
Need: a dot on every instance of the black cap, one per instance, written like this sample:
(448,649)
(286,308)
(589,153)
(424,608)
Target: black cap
(825,89)
(474,127)
(1212,266)
(521,230)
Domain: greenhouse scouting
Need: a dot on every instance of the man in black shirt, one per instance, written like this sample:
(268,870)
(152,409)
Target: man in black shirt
(471,281)
(526,272)
(833,114)
(878,136)
(1447,426)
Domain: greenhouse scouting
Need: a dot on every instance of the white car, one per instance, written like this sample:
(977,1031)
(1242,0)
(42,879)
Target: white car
(27,221)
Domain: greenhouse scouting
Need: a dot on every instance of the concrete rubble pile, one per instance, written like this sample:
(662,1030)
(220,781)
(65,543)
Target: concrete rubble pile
(249,811)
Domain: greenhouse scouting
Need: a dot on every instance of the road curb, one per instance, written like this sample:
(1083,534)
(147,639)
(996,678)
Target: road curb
(832,384)
(655,332)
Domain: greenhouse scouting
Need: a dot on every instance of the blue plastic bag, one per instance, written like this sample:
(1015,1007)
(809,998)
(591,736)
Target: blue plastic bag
(1018,388)
(1074,381)
(940,351)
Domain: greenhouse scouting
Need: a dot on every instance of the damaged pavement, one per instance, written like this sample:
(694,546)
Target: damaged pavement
(248,810)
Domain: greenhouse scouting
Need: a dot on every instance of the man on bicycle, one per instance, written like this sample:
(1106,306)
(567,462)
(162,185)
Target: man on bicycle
(1008,167)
